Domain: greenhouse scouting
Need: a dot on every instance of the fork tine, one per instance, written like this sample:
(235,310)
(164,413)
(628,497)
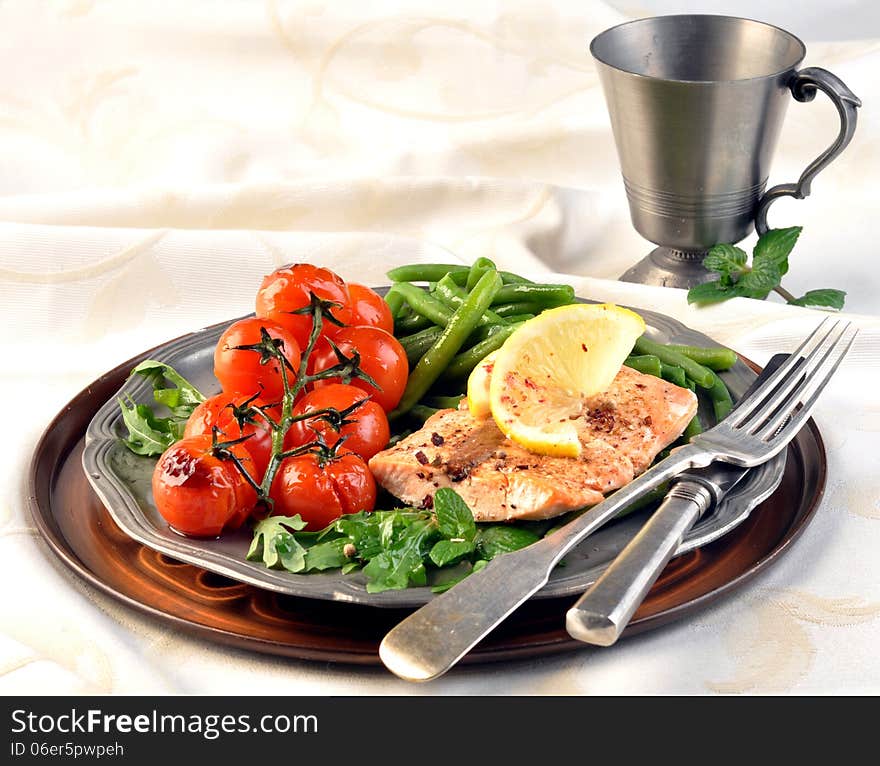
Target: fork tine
(773,414)
(748,405)
(817,384)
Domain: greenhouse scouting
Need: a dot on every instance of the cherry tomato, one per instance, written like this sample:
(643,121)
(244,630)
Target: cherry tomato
(382,358)
(200,493)
(288,289)
(240,371)
(321,491)
(368,308)
(367,432)
(220,411)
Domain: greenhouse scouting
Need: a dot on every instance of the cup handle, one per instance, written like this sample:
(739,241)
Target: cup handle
(804,85)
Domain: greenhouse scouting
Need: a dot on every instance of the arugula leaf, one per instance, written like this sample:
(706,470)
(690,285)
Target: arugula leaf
(147,434)
(288,552)
(394,549)
(454,518)
(401,562)
(180,400)
(495,540)
(268,533)
(327,555)
(824,298)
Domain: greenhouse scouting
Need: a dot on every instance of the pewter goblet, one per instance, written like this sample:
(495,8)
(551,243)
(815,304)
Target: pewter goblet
(696,105)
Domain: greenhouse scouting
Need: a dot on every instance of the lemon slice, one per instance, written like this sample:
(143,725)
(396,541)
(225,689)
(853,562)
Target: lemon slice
(478,388)
(543,372)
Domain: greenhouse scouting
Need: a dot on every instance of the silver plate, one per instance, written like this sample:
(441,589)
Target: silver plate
(122,481)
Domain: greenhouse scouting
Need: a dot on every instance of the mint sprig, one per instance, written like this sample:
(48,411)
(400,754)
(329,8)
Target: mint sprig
(738,279)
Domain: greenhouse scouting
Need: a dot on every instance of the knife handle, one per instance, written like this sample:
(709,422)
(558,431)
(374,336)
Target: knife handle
(601,614)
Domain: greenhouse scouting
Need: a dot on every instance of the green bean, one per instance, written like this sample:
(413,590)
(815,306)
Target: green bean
(646,363)
(722,403)
(702,376)
(453,296)
(715,358)
(693,428)
(506,310)
(437,358)
(514,279)
(409,322)
(507,277)
(426,272)
(418,343)
(483,332)
(545,295)
(434,272)
(422,412)
(424,303)
(674,374)
(399,437)
(518,318)
(445,402)
(479,267)
(395,302)
(464,362)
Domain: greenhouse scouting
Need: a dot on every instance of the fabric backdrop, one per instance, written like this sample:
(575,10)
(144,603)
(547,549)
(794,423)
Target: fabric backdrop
(156,159)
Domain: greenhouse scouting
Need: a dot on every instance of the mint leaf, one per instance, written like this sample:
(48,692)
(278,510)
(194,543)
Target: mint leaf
(775,246)
(727,260)
(495,540)
(454,518)
(711,292)
(760,281)
(458,576)
(822,298)
(447,552)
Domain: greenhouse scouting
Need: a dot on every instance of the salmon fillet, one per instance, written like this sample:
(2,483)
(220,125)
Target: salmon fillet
(621,431)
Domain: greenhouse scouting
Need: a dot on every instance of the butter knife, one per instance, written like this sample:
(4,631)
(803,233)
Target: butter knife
(602,613)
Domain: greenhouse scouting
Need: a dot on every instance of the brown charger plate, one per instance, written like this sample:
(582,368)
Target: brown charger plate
(84,537)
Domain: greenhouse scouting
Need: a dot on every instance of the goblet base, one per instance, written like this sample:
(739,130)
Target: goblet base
(668,267)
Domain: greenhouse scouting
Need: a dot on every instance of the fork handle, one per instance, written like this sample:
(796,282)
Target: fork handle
(601,614)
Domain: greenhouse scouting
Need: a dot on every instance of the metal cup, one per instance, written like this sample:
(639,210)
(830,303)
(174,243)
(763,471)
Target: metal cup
(696,105)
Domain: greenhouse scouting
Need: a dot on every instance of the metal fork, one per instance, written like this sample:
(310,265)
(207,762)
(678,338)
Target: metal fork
(431,640)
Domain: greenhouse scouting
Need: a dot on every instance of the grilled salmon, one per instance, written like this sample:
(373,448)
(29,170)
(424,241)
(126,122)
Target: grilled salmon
(621,430)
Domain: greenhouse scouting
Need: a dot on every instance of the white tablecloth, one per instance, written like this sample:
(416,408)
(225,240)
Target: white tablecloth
(156,159)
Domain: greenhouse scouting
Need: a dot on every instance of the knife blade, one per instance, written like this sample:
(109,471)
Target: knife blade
(602,613)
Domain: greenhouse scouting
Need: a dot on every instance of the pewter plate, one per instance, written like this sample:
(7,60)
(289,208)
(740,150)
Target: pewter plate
(122,481)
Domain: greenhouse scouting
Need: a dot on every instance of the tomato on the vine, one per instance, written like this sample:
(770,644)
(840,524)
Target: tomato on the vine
(288,289)
(369,309)
(220,411)
(366,429)
(198,489)
(321,488)
(381,357)
(247,371)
